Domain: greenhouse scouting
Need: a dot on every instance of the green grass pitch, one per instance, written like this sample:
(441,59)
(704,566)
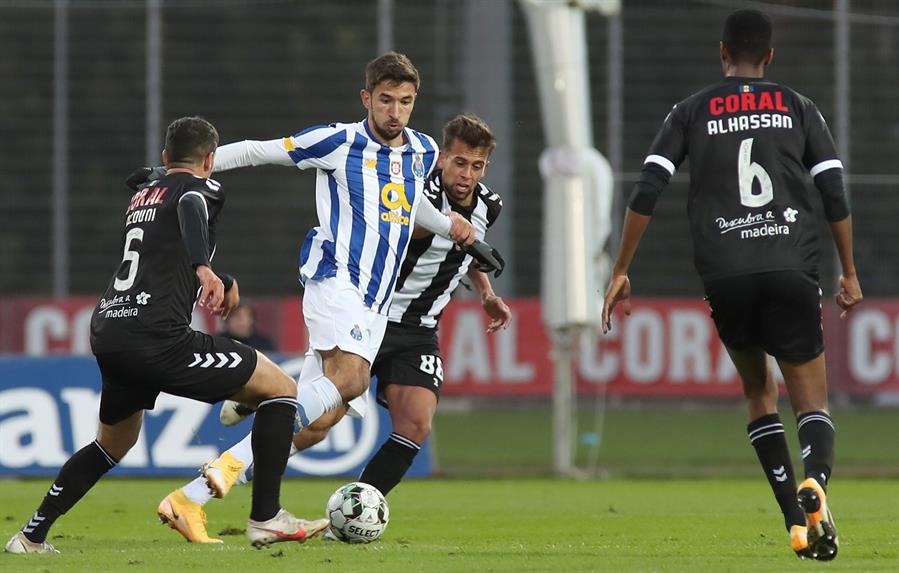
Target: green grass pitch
(474,526)
(700,503)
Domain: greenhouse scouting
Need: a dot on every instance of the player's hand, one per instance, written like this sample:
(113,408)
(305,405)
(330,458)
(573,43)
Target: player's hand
(232,300)
(489,260)
(143,175)
(212,291)
(619,291)
(462,231)
(850,294)
(498,311)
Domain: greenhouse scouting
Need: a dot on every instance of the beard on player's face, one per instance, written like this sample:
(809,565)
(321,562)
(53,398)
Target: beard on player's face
(389,129)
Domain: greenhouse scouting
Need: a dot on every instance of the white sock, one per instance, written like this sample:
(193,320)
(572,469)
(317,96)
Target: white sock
(243,451)
(315,399)
(197,491)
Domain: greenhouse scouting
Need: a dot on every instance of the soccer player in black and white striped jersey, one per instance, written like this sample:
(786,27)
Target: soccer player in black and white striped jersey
(408,367)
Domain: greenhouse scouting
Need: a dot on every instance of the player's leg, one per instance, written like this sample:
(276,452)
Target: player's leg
(344,336)
(806,383)
(214,368)
(412,410)
(735,304)
(235,465)
(766,431)
(793,334)
(77,477)
(123,398)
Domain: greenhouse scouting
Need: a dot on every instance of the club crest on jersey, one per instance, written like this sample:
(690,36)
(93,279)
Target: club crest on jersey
(418,165)
(747,88)
(356,333)
(395,167)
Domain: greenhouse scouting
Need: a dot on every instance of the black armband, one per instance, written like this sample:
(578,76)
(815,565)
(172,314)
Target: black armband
(194,228)
(226,279)
(653,180)
(833,194)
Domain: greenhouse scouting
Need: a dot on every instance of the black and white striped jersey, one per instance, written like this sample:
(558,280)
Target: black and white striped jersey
(433,266)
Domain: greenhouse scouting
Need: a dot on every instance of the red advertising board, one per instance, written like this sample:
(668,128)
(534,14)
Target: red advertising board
(667,347)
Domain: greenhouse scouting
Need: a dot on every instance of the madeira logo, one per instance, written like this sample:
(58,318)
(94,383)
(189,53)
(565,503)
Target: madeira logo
(393,196)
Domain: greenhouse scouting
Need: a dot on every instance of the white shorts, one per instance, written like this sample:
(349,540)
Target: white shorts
(336,317)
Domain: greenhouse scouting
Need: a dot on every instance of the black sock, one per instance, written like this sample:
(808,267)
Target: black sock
(816,437)
(272,434)
(75,479)
(387,467)
(766,434)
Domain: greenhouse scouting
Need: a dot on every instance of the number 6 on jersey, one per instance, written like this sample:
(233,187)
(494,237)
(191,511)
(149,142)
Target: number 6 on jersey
(747,172)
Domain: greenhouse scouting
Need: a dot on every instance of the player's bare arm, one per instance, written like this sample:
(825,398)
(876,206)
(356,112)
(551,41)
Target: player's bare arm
(619,289)
(499,312)
(850,293)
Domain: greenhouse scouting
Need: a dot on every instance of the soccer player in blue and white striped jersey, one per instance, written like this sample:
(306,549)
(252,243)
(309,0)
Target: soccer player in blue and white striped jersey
(369,188)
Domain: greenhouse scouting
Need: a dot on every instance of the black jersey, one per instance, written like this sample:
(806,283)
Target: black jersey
(433,265)
(752,144)
(150,298)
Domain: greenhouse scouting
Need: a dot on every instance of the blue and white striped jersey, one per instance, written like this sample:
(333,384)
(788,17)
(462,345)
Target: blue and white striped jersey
(366,195)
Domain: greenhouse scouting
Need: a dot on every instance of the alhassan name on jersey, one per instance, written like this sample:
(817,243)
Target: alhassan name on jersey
(749,122)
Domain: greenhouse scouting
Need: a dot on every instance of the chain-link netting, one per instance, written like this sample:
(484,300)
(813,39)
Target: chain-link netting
(268,68)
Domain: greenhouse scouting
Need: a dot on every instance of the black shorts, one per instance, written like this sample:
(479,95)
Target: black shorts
(202,367)
(409,356)
(779,312)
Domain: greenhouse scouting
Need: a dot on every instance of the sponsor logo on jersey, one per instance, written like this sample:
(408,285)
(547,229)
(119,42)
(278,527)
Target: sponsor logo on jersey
(748,101)
(370,163)
(754,225)
(393,197)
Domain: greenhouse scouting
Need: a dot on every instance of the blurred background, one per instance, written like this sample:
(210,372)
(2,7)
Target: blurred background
(88,86)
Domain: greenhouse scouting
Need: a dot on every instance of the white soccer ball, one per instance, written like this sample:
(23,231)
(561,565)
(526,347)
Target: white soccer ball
(358,513)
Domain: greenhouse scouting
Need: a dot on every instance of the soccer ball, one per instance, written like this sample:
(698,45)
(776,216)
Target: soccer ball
(358,513)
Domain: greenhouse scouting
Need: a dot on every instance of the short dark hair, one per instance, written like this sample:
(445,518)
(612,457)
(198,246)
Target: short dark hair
(470,130)
(188,140)
(391,67)
(747,36)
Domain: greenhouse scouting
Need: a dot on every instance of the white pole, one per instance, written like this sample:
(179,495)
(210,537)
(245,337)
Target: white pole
(60,160)
(153,127)
(563,403)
